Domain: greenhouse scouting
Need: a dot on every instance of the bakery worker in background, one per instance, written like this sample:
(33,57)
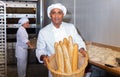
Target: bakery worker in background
(22,45)
(56,31)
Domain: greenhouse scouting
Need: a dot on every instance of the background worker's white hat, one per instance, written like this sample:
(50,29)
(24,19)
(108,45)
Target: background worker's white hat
(23,20)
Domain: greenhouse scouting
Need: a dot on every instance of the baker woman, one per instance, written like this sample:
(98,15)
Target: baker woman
(22,45)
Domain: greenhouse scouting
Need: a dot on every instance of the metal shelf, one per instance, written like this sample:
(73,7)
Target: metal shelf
(19,4)
(3,53)
(20,15)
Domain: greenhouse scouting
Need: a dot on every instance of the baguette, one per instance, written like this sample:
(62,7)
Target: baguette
(70,48)
(66,42)
(59,58)
(67,63)
(75,58)
(66,54)
(56,54)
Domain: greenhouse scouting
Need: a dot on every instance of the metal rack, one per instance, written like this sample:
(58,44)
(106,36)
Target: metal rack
(14,11)
(3,59)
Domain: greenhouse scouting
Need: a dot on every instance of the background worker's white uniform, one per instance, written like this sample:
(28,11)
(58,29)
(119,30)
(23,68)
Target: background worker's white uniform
(21,50)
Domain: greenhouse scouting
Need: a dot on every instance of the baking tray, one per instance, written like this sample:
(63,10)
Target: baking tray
(110,68)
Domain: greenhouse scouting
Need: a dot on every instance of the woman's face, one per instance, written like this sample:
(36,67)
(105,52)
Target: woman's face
(26,25)
(56,16)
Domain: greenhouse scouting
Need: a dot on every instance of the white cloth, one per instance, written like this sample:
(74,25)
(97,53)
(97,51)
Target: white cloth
(47,35)
(22,37)
(23,20)
(21,51)
(59,32)
(22,62)
(49,74)
(56,5)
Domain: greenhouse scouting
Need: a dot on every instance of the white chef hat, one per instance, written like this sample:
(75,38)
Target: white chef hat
(56,5)
(23,20)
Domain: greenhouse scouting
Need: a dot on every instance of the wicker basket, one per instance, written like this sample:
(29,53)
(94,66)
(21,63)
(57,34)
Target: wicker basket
(82,63)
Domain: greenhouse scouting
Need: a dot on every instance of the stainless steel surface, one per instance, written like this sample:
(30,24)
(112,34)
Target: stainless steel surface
(16,25)
(16,9)
(40,15)
(3,53)
(20,15)
(20,4)
(41,12)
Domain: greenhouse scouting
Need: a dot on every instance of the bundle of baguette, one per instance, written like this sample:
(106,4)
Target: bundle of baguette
(66,54)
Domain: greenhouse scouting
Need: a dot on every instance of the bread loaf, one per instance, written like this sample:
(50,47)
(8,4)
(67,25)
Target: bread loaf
(70,49)
(67,64)
(75,58)
(66,53)
(56,54)
(66,42)
(59,57)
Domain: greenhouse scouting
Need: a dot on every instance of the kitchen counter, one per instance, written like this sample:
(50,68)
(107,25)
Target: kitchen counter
(100,54)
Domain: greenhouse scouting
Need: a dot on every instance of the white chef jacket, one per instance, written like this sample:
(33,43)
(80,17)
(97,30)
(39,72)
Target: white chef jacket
(22,39)
(49,35)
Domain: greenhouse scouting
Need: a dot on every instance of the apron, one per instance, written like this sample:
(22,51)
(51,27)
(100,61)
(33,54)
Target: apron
(21,55)
(21,52)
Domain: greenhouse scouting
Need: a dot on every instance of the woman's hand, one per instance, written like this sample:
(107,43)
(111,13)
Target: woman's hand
(30,45)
